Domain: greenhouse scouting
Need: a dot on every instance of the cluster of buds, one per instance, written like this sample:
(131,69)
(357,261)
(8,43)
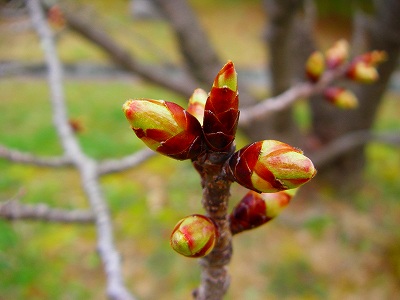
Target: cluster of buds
(361,69)
(208,127)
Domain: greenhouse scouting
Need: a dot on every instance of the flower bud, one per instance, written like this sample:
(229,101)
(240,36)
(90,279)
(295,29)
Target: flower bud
(337,54)
(197,103)
(165,127)
(221,112)
(257,209)
(194,236)
(270,166)
(362,72)
(341,98)
(56,17)
(315,66)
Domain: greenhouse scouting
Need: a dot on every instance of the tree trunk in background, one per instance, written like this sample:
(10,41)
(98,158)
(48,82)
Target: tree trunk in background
(199,56)
(382,32)
(280,40)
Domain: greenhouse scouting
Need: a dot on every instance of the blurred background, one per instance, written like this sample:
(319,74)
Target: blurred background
(339,238)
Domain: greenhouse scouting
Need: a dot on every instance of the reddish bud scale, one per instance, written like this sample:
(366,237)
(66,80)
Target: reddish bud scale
(270,166)
(257,209)
(165,127)
(221,112)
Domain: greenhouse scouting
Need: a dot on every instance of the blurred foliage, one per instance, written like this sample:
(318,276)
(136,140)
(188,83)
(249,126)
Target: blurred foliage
(344,8)
(348,249)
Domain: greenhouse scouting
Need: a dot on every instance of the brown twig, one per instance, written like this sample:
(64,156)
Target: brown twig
(215,279)
(87,167)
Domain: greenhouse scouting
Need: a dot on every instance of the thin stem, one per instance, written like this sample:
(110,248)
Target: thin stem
(215,279)
(87,166)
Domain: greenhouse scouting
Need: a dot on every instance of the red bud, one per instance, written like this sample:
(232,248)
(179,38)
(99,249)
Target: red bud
(270,166)
(221,112)
(257,209)
(165,127)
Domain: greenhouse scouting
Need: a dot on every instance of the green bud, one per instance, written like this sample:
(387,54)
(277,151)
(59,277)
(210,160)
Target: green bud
(165,127)
(270,166)
(362,72)
(194,236)
(315,66)
(337,54)
(341,98)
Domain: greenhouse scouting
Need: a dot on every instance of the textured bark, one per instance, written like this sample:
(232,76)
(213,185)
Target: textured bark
(381,33)
(214,277)
(199,55)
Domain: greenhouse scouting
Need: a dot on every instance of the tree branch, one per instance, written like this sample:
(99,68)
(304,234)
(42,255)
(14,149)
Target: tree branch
(86,166)
(117,165)
(200,57)
(290,96)
(13,210)
(215,279)
(184,85)
(28,158)
(349,141)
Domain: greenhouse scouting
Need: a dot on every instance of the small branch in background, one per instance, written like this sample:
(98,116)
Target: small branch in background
(14,210)
(31,159)
(117,165)
(350,141)
(87,167)
(184,85)
(290,96)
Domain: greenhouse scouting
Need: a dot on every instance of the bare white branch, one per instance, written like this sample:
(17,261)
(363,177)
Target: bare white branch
(117,165)
(14,210)
(86,166)
(31,159)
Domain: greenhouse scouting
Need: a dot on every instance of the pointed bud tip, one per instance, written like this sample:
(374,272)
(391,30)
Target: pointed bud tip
(227,77)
